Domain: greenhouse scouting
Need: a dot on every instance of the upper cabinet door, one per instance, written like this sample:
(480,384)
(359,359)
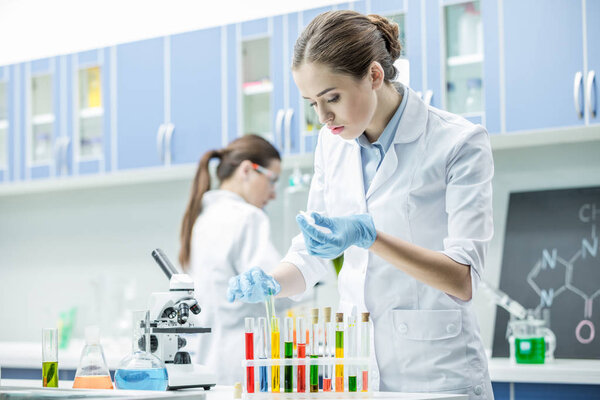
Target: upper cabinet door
(6,125)
(543,63)
(592,80)
(91,128)
(196,93)
(140,95)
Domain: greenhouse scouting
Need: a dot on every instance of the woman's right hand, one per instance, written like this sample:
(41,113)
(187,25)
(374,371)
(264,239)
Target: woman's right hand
(252,286)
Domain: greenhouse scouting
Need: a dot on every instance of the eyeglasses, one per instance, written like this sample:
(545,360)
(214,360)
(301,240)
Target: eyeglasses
(271,176)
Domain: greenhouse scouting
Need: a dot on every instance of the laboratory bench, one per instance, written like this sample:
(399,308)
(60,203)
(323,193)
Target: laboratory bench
(216,393)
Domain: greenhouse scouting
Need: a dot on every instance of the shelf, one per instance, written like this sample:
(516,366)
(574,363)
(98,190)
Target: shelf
(252,88)
(558,371)
(468,59)
(91,112)
(545,137)
(42,119)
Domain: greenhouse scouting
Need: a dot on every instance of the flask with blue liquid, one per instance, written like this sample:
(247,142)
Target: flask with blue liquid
(141,370)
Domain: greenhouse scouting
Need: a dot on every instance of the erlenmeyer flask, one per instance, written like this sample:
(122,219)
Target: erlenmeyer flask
(92,372)
(141,370)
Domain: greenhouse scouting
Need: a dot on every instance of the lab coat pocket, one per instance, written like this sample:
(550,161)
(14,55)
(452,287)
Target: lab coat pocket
(432,348)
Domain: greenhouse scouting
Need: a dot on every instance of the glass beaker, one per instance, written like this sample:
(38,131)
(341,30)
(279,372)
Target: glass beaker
(531,342)
(141,370)
(92,372)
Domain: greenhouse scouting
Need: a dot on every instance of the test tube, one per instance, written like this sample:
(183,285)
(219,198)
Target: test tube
(50,357)
(314,350)
(249,336)
(339,351)
(365,348)
(301,344)
(275,354)
(328,345)
(262,353)
(351,353)
(288,351)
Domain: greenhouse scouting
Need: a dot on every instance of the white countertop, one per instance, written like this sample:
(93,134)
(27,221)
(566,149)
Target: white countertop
(28,355)
(226,392)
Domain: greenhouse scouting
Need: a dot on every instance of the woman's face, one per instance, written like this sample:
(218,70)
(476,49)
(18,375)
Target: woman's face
(346,105)
(260,186)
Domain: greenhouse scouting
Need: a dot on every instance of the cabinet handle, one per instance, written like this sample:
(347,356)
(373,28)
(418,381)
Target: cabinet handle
(168,135)
(64,148)
(428,96)
(576,93)
(287,130)
(278,126)
(160,136)
(589,83)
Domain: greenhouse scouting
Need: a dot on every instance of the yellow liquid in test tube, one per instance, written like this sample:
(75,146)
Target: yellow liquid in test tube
(275,354)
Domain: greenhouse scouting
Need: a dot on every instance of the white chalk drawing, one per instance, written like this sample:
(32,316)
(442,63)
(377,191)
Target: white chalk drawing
(550,259)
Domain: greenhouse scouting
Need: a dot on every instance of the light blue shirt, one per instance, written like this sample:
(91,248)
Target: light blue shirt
(372,154)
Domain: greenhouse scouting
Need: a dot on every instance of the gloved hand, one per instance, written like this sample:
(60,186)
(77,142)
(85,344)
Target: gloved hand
(357,230)
(253,286)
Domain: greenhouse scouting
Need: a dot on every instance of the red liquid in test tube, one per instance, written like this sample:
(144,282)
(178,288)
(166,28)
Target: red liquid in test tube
(249,336)
(301,345)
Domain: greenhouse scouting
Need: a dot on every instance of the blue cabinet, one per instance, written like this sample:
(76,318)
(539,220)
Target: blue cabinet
(592,70)
(546,391)
(543,63)
(140,93)
(194,115)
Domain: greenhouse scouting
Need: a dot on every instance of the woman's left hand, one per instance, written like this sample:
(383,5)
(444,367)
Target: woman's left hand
(358,230)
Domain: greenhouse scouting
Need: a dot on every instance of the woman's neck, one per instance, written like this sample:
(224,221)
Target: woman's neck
(388,101)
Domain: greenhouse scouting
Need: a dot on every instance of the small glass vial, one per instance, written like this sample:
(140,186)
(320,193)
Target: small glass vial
(50,357)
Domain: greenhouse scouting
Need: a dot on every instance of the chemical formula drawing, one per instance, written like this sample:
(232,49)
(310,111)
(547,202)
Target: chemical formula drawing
(551,264)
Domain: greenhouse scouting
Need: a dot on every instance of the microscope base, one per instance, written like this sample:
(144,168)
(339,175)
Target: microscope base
(182,376)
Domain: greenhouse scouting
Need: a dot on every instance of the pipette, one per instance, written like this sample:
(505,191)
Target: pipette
(502,299)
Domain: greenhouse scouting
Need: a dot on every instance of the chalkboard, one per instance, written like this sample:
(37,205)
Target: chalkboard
(551,261)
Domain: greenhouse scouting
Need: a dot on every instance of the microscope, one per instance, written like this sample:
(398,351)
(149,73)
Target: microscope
(169,318)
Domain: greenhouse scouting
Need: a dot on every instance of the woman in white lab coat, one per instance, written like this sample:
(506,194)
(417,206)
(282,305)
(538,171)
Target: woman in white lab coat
(225,232)
(406,191)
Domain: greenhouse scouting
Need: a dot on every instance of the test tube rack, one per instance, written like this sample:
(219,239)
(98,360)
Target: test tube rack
(359,362)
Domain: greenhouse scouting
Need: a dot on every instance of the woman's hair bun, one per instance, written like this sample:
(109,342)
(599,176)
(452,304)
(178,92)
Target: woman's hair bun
(389,31)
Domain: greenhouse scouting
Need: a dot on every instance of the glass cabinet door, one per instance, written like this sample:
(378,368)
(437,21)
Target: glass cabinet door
(464,58)
(256,88)
(42,119)
(90,113)
(3,126)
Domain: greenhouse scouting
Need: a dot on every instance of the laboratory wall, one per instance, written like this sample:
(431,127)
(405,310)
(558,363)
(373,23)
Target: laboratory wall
(89,248)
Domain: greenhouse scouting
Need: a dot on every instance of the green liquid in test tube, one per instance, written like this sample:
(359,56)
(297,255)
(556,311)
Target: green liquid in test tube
(314,350)
(288,349)
(351,352)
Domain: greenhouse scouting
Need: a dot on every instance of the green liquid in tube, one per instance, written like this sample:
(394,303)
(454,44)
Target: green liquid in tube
(338,263)
(288,380)
(50,374)
(352,383)
(314,377)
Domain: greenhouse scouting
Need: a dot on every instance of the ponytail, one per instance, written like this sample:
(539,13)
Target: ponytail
(200,185)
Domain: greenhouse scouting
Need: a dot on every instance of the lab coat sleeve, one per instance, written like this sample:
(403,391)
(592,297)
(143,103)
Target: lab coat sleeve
(469,173)
(312,268)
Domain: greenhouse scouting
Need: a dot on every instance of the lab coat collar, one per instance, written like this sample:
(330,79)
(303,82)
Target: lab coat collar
(216,195)
(414,119)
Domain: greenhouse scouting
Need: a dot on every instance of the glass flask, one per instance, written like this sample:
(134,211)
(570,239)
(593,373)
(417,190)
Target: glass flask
(531,342)
(141,370)
(92,372)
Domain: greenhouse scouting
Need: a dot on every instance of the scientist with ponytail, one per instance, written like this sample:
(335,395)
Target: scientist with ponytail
(405,191)
(224,233)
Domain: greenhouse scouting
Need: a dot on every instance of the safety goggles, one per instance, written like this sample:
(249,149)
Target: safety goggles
(271,176)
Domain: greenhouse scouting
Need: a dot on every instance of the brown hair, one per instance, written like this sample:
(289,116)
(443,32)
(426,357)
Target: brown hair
(348,42)
(249,147)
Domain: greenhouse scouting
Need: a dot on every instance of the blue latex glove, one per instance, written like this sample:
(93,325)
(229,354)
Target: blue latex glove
(253,286)
(358,230)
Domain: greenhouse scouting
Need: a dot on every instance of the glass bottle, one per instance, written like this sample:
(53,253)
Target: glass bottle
(92,372)
(141,370)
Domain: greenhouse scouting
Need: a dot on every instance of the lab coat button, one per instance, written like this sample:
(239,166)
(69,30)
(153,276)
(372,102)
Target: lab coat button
(451,328)
(478,390)
(402,328)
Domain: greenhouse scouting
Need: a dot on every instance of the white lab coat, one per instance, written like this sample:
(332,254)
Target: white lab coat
(230,236)
(432,189)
